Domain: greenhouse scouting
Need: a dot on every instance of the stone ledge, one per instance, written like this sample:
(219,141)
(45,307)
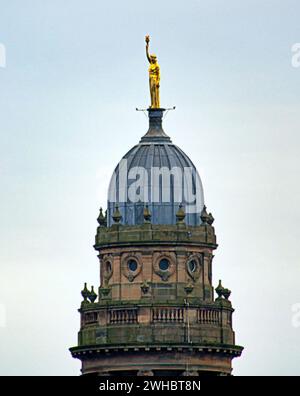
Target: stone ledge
(235,350)
(135,304)
(146,234)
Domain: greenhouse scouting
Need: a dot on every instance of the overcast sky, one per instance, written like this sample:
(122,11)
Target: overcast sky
(75,72)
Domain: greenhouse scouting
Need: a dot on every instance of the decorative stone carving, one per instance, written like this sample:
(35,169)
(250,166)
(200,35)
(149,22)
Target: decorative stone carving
(147,215)
(180,214)
(205,216)
(157,258)
(92,295)
(104,292)
(226,293)
(107,268)
(129,274)
(145,287)
(85,294)
(189,288)
(101,219)
(211,219)
(219,290)
(222,292)
(194,266)
(117,217)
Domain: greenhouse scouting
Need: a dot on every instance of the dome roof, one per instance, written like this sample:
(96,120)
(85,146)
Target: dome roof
(158,174)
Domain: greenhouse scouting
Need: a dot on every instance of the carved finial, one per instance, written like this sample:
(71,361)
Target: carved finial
(211,219)
(92,295)
(226,293)
(101,219)
(117,217)
(180,215)
(219,289)
(85,293)
(147,214)
(222,292)
(204,215)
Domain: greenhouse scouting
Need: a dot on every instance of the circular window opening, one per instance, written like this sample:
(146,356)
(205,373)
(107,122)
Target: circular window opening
(108,267)
(132,265)
(164,264)
(192,265)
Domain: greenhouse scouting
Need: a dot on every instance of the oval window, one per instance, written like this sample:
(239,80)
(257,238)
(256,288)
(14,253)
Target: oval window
(108,266)
(164,264)
(192,265)
(132,265)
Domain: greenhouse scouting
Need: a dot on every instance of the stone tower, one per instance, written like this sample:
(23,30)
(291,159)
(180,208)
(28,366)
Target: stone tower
(155,312)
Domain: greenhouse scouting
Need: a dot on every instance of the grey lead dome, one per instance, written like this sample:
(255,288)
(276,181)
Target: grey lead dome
(158,174)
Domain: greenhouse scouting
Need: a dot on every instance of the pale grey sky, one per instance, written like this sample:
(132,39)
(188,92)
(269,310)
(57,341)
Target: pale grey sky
(75,71)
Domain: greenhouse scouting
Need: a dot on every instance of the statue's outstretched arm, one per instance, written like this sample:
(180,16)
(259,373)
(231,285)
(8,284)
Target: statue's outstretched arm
(147,39)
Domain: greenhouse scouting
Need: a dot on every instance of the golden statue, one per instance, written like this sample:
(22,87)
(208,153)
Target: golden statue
(154,77)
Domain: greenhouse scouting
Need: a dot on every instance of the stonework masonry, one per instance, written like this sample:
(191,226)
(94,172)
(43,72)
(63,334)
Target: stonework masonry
(152,319)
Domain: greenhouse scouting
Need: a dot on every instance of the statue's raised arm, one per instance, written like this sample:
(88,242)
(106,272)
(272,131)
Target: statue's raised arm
(147,39)
(154,76)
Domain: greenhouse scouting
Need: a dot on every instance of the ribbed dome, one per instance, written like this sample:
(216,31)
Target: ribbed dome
(158,174)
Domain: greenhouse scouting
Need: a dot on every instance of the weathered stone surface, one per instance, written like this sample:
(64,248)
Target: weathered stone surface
(178,311)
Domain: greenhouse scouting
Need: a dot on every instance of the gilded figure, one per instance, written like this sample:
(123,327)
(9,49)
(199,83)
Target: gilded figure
(154,76)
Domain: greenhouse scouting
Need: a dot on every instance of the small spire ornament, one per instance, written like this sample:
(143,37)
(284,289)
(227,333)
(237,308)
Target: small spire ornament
(219,290)
(117,217)
(222,292)
(180,215)
(204,216)
(211,219)
(226,293)
(85,293)
(101,219)
(92,295)
(147,214)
